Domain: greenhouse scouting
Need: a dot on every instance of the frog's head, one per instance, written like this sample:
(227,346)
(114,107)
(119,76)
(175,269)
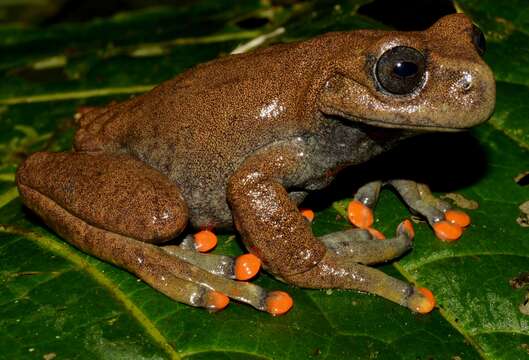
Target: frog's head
(431,80)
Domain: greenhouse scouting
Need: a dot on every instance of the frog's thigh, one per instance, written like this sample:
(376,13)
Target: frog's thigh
(117,193)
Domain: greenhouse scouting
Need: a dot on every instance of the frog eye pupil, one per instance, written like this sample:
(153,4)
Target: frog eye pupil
(400,70)
(405,68)
(479,40)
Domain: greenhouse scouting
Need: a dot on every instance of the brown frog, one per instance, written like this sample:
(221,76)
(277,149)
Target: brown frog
(241,140)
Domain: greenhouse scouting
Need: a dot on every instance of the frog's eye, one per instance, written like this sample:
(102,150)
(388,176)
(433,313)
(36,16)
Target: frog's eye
(400,70)
(479,40)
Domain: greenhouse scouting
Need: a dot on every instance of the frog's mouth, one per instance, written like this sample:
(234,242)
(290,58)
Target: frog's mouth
(388,125)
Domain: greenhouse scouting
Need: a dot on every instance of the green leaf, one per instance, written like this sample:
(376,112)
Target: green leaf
(507,31)
(57,301)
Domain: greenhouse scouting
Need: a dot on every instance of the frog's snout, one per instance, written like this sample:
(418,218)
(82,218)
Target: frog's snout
(473,91)
(479,80)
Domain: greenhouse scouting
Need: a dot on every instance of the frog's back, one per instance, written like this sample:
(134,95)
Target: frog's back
(198,127)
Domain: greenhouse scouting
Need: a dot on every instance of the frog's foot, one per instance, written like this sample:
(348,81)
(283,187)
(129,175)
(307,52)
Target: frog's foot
(106,205)
(205,280)
(364,247)
(448,224)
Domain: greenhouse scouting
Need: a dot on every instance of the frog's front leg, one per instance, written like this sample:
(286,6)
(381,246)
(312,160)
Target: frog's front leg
(273,229)
(447,223)
(116,208)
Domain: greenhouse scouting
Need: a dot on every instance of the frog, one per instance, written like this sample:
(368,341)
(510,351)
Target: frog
(239,142)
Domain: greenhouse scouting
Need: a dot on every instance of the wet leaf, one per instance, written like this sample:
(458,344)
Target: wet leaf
(58,302)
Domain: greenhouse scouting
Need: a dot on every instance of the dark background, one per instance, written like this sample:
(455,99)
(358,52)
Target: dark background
(403,15)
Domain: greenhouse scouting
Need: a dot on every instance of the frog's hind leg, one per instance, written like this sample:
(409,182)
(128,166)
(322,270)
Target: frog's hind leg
(115,207)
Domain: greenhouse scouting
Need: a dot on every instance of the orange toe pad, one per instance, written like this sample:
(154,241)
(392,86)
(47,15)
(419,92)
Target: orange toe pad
(216,301)
(428,304)
(205,240)
(377,234)
(246,266)
(408,227)
(447,231)
(278,303)
(360,215)
(308,214)
(457,217)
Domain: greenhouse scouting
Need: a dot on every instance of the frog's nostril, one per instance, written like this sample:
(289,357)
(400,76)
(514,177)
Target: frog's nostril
(466,81)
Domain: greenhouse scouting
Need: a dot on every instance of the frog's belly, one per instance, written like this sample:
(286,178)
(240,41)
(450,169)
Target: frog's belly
(208,207)
(202,179)
(212,210)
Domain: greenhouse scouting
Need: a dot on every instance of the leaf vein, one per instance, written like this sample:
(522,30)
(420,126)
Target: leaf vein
(63,250)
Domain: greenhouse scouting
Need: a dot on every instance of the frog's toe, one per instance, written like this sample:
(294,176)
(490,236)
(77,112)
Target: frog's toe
(406,227)
(205,280)
(404,230)
(216,301)
(204,241)
(360,215)
(243,267)
(376,233)
(278,303)
(246,266)
(457,217)
(363,245)
(447,231)
(451,228)
(307,214)
(422,301)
